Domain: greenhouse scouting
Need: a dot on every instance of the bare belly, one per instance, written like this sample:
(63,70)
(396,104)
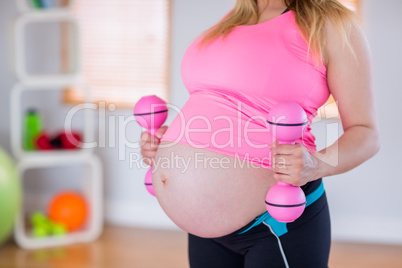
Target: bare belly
(207,193)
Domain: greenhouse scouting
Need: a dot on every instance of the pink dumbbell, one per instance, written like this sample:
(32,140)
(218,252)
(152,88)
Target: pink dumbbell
(288,121)
(150,112)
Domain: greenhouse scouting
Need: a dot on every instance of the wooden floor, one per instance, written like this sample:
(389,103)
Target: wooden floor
(121,247)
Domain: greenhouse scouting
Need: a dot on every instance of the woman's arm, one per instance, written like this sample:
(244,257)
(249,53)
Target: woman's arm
(350,81)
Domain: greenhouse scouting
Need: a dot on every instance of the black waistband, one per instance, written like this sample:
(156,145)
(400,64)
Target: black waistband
(311,186)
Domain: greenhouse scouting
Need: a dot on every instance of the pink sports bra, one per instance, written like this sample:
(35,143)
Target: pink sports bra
(233,83)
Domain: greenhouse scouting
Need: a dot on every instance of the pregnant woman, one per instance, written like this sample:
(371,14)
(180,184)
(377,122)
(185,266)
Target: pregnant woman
(213,166)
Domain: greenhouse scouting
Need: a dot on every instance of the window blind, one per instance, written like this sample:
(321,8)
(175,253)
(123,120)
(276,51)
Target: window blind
(124,49)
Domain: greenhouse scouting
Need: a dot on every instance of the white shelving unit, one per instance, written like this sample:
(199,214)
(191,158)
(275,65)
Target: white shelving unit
(23,6)
(92,192)
(48,16)
(27,160)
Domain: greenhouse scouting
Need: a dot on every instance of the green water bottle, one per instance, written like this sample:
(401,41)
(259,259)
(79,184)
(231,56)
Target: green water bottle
(32,128)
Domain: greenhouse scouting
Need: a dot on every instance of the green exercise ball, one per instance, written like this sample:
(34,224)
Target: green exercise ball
(10,195)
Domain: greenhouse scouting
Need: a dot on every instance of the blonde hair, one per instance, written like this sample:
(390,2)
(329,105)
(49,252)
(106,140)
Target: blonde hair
(311,16)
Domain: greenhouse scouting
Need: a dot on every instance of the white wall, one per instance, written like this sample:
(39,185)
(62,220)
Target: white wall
(365,203)
(7,12)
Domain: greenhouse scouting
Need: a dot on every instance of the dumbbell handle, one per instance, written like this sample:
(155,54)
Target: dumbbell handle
(284,142)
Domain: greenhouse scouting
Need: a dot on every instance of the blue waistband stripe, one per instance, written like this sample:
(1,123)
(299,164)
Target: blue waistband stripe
(280,227)
(317,193)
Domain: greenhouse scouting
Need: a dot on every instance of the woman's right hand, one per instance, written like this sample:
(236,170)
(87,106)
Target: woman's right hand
(149,144)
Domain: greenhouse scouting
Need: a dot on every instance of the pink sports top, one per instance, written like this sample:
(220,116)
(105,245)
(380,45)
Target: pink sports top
(233,83)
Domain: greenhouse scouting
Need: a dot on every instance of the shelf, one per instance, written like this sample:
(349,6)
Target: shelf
(16,125)
(49,83)
(24,7)
(44,158)
(93,226)
(37,25)
(51,80)
(74,69)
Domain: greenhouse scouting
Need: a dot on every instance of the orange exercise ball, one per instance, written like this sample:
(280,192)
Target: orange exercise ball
(68,208)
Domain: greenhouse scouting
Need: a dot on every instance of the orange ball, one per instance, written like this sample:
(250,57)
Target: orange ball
(68,208)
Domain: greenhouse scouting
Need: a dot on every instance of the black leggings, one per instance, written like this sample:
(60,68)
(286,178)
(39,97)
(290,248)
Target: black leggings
(305,245)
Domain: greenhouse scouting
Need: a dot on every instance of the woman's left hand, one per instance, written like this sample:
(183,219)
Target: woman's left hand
(293,164)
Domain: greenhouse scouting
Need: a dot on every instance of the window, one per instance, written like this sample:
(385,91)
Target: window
(124,49)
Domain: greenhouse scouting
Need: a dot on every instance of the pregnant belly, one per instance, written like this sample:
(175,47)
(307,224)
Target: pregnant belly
(207,193)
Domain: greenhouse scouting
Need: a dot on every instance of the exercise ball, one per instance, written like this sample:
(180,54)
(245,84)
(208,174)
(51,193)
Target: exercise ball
(10,195)
(68,208)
